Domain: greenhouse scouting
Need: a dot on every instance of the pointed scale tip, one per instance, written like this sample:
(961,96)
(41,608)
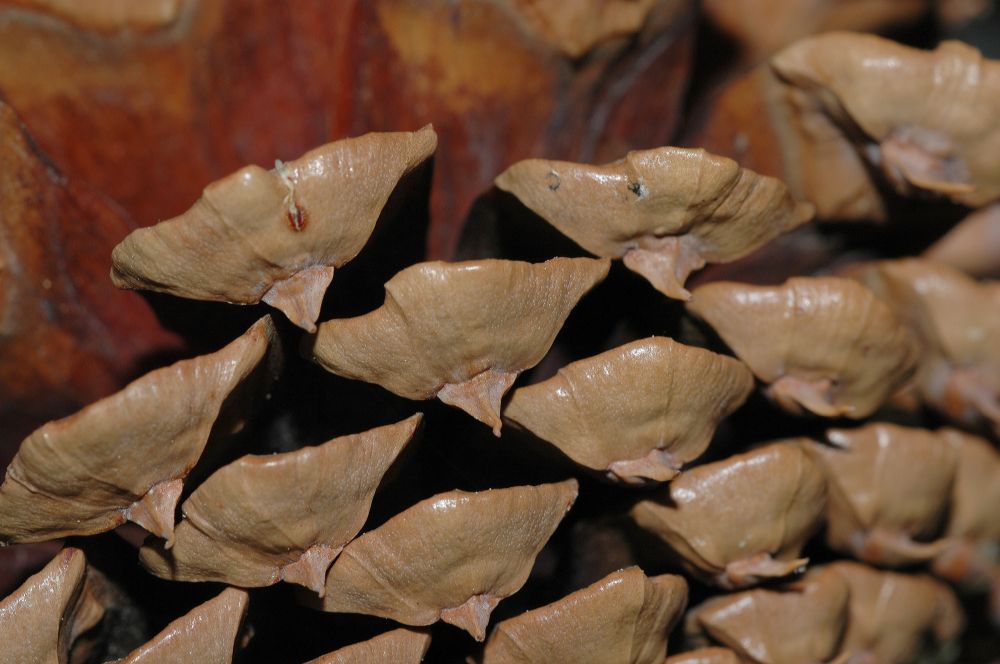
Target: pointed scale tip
(300,296)
(155,511)
(310,569)
(480,396)
(473,616)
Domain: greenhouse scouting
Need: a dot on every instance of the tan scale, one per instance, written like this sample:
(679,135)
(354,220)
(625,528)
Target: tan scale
(41,621)
(790,624)
(207,633)
(928,120)
(282,517)
(825,345)
(890,614)
(889,490)
(275,236)
(624,618)
(125,457)
(665,212)
(737,522)
(971,556)
(636,413)
(461,332)
(400,646)
(452,557)
(957,321)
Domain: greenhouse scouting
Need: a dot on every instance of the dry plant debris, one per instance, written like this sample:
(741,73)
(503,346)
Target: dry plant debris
(853,127)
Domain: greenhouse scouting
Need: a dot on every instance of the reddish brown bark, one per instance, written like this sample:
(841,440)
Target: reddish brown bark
(149,110)
(67,336)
